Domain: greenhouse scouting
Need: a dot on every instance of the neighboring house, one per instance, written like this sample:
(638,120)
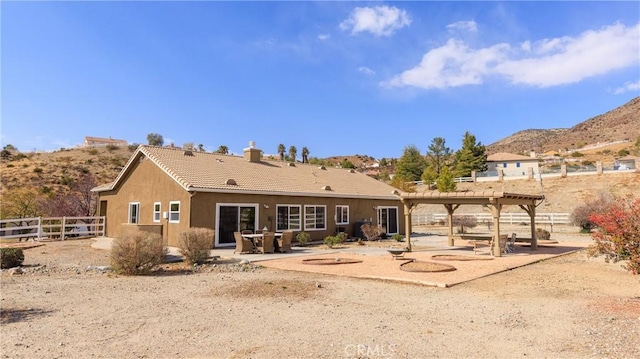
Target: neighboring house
(99,141)
(627,162)
(511,164)
(168,190)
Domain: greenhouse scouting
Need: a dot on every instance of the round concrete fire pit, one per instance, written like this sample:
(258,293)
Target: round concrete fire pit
(423,266)
(330,261)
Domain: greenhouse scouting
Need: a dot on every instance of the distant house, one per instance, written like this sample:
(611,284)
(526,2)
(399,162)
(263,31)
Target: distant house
(168,190)
(512,164)
(99,141)
(627,163)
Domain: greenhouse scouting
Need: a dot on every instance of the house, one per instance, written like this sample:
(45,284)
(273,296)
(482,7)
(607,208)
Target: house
(513,165)
(99,141)
(627,162)
(168,190)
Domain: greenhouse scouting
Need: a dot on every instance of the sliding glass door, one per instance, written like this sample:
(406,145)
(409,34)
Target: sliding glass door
(234,218)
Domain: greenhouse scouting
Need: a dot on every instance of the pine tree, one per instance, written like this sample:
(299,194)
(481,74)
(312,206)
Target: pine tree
(445,182)
(438,154)
(411,165)
(471,157)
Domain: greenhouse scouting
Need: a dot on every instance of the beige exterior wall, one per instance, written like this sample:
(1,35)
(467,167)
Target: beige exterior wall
(205,206)
(146,184)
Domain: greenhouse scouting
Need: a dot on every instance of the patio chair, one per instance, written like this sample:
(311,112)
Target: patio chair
(267,243)
(510,246)
(243,245)
(285,241)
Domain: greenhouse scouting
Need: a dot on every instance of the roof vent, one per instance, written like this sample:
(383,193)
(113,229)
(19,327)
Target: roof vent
(352,170)
(322,168)
(327,188)
(231,182)
(291,164)
(188,153)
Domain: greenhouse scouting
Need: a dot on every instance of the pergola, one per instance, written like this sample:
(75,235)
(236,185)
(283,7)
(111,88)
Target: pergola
(452,200)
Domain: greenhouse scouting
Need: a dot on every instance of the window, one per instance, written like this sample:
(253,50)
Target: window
(518,164)
(174,212)
(156,211)
(342,214)
(134,212)
(504,165)
(314,217)
(288,218)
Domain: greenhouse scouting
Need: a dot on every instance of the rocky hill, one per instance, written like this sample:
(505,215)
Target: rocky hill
(619,124)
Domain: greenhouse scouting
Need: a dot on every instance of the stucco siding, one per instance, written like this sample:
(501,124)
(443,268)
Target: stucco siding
(146,184)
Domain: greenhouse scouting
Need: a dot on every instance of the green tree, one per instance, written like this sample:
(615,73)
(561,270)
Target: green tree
(20,203)
(200,147)
(471,157)
(293,151)
(411,165)
(438,154)
(429,176)
(189,146)
(305,155)
(383,162)
(445,182)
(223,150)
(155,139)
(281,149)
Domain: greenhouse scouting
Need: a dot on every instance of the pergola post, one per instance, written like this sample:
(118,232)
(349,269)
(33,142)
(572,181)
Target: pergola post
(496,207)
(407,223)
(532,214)
(450,209)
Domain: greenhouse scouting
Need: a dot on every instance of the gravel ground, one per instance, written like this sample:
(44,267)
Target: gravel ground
(66,304)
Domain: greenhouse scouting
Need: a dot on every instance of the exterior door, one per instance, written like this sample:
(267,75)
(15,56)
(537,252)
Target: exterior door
(234,218)
(388,218)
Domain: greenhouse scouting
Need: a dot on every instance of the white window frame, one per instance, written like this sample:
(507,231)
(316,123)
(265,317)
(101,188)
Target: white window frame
(289,227)
(340,209)
(157,214)
(172,213)
(137,209)
(308,220)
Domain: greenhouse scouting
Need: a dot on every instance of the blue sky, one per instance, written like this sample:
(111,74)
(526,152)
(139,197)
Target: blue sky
(340,78)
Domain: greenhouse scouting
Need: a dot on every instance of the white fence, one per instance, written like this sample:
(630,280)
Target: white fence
(510,218)
(37,228)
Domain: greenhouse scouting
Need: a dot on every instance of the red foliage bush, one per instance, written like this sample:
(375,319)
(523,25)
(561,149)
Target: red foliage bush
(618,232)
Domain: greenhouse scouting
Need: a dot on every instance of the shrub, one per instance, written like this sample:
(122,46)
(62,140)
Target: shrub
(542,234)
(577,154)
(623,152)
(303,238)
(372,233)
(464,221)
(111,147)
(331,241)
(398,237)
(580,215)
(11,257)
(618,232)
(195,243)
(138,253)
(93,151)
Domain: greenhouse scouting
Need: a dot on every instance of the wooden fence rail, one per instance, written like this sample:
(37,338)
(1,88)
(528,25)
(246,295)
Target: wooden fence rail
(37,228)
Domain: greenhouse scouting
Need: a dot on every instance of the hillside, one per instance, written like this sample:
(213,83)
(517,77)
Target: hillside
(619,124)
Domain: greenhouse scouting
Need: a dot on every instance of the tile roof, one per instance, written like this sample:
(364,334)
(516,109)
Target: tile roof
(210,172)
(504,156)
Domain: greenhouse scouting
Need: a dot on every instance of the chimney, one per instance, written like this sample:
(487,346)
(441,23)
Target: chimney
(251,153)
(532,154)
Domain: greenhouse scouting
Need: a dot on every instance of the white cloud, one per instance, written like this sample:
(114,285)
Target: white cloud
(548,62)
(470,26)
(628,86)
(379,20)
(324,37)
(365,70)
(451,65)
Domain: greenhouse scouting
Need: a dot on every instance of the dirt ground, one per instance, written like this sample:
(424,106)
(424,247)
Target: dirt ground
(65,304)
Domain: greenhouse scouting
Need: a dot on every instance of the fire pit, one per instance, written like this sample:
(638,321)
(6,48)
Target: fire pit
(330,261)
(422,266)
